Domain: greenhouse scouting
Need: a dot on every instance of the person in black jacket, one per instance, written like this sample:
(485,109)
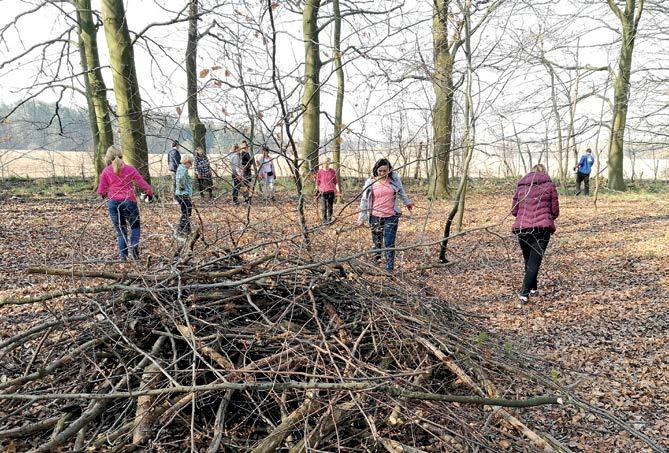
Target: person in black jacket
(173,161)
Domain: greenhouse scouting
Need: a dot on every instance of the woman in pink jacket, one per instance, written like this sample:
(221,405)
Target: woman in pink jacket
(327,186)
(535,207)
(117,185)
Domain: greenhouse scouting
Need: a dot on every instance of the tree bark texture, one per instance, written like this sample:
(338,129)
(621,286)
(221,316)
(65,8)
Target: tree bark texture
(197,128)
(126,87)
(96,91)
(339,103)
(311,96)
(442,111)
(629,20)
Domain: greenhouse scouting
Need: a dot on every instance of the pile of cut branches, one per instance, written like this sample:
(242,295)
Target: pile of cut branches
(259,354)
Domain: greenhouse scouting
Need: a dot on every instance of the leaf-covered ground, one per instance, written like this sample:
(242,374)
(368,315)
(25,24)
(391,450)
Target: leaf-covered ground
(601,326)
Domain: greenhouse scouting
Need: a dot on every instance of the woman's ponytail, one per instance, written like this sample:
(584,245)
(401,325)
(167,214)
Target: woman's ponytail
(114,157)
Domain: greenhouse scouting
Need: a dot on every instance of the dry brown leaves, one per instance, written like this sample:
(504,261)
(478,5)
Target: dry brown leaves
(601,325)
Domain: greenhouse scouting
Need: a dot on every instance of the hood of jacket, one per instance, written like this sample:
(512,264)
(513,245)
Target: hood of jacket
(534,178)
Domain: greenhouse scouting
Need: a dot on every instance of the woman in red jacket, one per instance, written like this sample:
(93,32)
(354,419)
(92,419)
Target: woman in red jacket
(535,207)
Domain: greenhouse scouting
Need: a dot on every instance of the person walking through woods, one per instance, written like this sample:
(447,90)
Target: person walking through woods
(327,186)
(535,207)
(184,192)
(583,169)
(240,161)
(380,205)
(203,173)
(267,174)
(173,161)
(117,185)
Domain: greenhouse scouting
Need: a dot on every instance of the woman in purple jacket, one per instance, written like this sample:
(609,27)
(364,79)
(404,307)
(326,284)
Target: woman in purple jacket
(535,207)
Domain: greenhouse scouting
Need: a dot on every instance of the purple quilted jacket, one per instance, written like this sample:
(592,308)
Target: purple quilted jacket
(535,203)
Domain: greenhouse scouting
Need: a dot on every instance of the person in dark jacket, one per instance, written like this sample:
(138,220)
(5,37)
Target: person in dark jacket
(173,161)
(535,207)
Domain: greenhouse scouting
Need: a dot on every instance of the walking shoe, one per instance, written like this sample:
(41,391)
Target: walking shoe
(535,292)
(134,252)
(522,300)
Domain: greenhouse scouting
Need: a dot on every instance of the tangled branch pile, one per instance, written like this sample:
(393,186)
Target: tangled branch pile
(263,354)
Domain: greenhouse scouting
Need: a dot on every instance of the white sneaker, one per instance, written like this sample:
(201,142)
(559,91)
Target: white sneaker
(535,292)
(522,300)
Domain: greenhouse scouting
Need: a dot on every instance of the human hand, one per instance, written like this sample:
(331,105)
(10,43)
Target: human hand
(360,224)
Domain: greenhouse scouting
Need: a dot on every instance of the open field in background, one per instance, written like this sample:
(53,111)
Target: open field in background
(602,325)
(45,164)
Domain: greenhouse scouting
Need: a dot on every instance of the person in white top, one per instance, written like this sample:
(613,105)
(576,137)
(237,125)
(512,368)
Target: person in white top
(266,173)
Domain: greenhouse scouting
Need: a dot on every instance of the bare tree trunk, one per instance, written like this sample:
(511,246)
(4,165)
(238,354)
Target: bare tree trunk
(629,20)
(294,164)
(470,118)
(572,110)
(96,91)
(339,103)
(419,156)
(126,87)
(520,150)
(311,96)
(598,152)
(198,129)
(442,111)
(558,122)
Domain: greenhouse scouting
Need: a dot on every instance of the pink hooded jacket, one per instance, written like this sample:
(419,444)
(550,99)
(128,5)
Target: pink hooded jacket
(535,203)
(122,186)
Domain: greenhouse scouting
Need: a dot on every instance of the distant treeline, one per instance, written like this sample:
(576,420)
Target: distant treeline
(40,125)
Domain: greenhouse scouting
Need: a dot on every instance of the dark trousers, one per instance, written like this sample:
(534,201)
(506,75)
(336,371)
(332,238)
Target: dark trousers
(124,214)
(586,183)
(205,184)
(533,242)
(327,198)
(384,232)
(174,184)
(240,185)
(186,209)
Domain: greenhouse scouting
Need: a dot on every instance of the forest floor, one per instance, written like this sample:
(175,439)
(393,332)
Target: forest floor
(601,326)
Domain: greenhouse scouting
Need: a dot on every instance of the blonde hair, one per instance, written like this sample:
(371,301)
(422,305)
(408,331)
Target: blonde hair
(114,157)
(187,158)
(199,151)
(539,168)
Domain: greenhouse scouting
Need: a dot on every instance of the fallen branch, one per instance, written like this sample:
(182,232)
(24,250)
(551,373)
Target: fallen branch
(282,386)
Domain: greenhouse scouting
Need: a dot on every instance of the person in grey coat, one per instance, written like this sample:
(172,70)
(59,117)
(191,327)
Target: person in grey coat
(380,205)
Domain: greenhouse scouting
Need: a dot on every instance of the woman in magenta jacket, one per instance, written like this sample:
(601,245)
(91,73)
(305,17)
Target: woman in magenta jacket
(535,207)
(117,185)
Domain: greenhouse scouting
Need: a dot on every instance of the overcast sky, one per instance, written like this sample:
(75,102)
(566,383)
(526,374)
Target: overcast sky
(505,83)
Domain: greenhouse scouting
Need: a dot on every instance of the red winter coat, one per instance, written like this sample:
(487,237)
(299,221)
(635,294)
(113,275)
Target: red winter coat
(535,203)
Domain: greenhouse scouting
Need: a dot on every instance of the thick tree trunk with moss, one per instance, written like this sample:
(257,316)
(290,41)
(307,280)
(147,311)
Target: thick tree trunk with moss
(629,20)
(311,97)
(442,111)
(196,126)
(339,103)
(96,91)
(126,87)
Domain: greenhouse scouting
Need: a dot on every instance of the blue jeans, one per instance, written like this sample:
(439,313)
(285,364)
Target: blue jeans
(124,213)
(384,232)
